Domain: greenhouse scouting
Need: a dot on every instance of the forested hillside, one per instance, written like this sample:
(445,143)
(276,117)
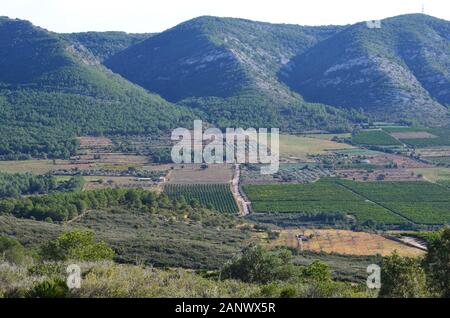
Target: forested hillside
(51,90)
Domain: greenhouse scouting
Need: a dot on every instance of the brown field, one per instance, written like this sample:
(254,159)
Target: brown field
(194,174)
(434,152)
(412,135)
(89,142)
(343,242)
(103,182)
(401,161)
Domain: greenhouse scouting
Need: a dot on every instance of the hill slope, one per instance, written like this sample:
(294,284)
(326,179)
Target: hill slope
(105,44)
(228,68)
(398,72)
(51,89)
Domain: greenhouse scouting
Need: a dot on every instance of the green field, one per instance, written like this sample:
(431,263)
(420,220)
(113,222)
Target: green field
(442,136)
(216,196)
(375,138)
(420,202)
(384,202)
(320,197)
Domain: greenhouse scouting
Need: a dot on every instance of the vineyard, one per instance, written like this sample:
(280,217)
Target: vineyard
(214,196)
(383,202)
(376,138)
(317,198)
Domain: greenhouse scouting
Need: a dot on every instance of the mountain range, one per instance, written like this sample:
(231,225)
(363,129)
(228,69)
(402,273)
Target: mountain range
(228,72)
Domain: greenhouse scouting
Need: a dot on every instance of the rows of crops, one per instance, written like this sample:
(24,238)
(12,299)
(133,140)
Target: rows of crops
(376,138)
(421,202)
(384,202)
(441,136)
(214,196)
(315,198)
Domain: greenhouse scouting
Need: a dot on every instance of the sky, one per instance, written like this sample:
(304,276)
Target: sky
(158,15)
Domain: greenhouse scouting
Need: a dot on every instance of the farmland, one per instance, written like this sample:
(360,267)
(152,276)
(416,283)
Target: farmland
(300,147)
(422,137)
(384,202)
(375,138)
(342,242)
(319,197)
(215,196)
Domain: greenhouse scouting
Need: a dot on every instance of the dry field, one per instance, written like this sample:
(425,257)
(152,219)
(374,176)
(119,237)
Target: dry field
(194,174)
(434,152)
(293,147)
(373,175)
(401,161)
(40,166)
(434,174)
(412,135)
(343,242)
(90,142)
(103,182)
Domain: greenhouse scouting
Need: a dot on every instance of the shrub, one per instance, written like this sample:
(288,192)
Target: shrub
(56,288)
(76,245)
(259,265)
(11,250)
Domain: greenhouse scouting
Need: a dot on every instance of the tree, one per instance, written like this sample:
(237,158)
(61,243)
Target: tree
(259,265)
(402,277)
(318,272)
(76,245)
(437,264)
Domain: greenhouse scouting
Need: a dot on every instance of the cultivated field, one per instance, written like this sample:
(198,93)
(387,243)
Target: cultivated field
(196,174)
(215,196)
(343,242)
(376,138)
(384,202)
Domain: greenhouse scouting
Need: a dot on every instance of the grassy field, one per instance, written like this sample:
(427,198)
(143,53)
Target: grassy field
(294,146)
(328,136)
(343,242)
(434,174)
(384,202)
(215,196)
(375,138)
(34,166)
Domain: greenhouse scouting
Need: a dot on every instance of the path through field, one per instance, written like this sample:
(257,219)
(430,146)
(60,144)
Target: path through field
(242,203)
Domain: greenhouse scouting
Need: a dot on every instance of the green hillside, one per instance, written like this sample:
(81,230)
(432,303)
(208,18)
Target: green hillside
(227,68)
(50,91)
(400,72)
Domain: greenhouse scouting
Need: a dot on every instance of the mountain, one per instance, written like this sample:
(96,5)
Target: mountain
(398,72)
(105,44)
(52,89)
(227,68)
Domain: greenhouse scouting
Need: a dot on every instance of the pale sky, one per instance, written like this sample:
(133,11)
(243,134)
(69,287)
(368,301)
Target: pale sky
(158,15)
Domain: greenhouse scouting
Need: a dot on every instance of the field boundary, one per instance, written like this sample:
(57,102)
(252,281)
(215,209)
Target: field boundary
(377,203)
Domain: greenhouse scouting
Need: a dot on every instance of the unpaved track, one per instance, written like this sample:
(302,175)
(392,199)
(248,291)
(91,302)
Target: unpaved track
(242,203)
